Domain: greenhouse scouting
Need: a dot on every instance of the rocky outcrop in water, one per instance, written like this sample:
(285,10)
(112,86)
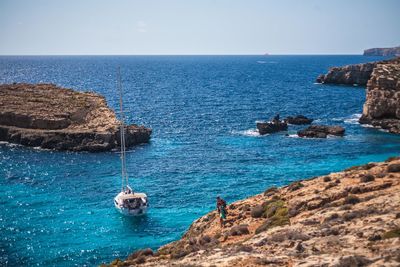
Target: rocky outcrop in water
(271,127)
(298,120)
(351,74)
(321,131)
(345,219)
(47,116)
(391,51)
(382,106)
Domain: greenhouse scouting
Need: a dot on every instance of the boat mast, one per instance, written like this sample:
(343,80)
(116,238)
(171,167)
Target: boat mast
(124,174)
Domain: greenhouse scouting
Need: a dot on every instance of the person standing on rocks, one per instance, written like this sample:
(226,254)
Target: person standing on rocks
(221,208)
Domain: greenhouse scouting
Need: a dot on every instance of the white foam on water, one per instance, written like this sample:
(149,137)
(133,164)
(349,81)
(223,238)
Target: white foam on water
(293,136)
(369,126)
(331,136)
(353,119)
(249,132)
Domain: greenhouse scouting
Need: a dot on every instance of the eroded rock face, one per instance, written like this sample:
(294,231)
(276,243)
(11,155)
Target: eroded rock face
(340,221)
(382,105)
(271,127)
(321,131)
(351,74)
(48,116)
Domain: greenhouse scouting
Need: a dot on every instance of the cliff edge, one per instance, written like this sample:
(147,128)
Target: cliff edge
(47,116)
(382,106)
(349,218)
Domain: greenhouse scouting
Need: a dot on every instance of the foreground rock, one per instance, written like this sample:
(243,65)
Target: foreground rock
(391,51)
(349,218)
(382,106)
(48,116)
(321,131)
(298,120)
(271,127)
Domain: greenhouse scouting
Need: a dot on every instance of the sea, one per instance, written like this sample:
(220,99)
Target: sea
(57,207)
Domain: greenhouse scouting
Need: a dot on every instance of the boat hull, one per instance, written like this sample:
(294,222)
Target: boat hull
(131,212)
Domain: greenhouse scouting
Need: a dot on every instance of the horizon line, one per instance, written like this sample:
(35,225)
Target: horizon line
(266,55)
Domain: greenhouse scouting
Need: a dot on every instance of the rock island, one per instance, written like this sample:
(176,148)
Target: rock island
(47,116)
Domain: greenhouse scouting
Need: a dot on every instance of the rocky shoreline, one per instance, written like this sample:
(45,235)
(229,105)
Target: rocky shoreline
(349,218)
(382,105)
(50,117)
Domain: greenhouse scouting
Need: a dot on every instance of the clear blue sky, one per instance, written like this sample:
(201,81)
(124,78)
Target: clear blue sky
(197,27)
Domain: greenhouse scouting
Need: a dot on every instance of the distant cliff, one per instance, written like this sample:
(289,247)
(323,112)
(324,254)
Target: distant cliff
(392,51)
(47,116)
(343,219)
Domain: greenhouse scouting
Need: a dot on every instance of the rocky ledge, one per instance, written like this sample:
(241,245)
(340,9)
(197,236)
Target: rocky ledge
(358,74)
(382,105)
(298,120)
(271,127)
(343,219)
(47,116)
(321,131)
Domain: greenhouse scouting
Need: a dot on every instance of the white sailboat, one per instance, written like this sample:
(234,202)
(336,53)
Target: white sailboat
(127,202)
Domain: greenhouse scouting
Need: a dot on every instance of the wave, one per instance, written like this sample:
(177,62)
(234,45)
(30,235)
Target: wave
(369,126)
(293,136)
(352,119)
(249,132)
(261,62)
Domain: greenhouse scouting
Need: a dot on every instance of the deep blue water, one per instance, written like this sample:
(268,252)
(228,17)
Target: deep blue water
(57,208)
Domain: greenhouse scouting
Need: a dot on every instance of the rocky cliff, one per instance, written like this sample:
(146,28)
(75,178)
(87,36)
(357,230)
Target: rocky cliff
(351,74)
(47,116)
(382,106)
(392,51)
(343,219)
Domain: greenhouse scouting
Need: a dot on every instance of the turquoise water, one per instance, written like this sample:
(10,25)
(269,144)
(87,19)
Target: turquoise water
(57,207)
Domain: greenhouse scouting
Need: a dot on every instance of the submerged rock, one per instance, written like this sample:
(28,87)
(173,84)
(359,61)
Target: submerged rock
(271,127)
(298,120)
(47,116)
(321,131)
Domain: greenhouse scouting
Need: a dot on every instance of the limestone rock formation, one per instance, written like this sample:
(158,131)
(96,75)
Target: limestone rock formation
(298,120)
(271,127)
(349,218)
(391,51)
(382,105)
(48,116)
(321,131)
(351,74)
